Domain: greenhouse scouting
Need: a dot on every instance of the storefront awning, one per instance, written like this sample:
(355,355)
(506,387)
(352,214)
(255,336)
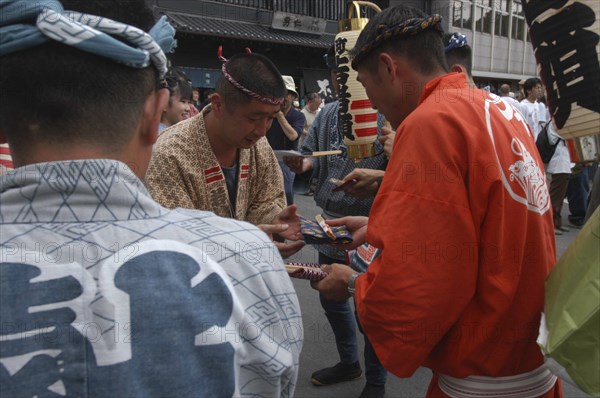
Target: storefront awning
(196,24)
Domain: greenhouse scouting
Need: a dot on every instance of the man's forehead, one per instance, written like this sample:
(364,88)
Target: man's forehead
(256,108)
(262,112)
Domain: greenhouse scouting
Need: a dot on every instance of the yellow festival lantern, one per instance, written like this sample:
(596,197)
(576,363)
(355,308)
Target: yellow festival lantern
(357,120)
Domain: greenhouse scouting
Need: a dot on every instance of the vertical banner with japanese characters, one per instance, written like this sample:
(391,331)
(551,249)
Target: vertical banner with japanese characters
(566,44)
(319,81)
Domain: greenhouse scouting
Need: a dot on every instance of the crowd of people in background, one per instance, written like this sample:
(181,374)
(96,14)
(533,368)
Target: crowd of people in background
(567,180)
(195,186)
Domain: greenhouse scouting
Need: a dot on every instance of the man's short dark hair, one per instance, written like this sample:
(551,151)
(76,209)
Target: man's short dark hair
(54,93)
(458,55)
(504,89)
(424,49)
(311,96)
(530,84)
(255,72)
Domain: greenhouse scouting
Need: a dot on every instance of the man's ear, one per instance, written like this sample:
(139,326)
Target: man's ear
(153,108)
(388,67)
(458,68)
(217,105)
(395,69)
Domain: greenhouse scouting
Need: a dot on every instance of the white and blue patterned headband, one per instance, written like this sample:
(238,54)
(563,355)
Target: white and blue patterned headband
(457,40)
(85,32)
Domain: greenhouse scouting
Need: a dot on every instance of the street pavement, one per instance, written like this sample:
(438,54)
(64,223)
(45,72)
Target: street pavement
(319,343)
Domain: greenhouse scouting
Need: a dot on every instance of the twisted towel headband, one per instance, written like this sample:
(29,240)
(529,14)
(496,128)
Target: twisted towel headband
(410,27)
(457,40)
(239,86)
(83,31)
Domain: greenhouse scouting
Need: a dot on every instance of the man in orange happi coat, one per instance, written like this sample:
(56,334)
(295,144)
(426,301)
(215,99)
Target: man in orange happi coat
(464,221)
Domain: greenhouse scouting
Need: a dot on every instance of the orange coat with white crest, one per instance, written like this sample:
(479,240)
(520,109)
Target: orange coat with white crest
(464,222)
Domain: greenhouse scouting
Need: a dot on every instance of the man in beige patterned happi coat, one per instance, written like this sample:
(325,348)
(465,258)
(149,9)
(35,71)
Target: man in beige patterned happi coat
(219,159)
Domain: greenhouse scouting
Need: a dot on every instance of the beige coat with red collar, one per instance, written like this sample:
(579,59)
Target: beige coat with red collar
(184,172)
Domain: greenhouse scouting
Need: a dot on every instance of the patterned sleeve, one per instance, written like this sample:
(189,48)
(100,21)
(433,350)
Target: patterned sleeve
(310,144)
(272,313)
(268,201)
(165,182)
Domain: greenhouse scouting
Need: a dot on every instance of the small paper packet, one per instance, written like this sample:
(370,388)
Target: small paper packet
(314,234)
(310,271)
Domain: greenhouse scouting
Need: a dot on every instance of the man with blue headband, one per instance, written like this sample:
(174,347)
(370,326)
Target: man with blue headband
(103,292)
(463,221)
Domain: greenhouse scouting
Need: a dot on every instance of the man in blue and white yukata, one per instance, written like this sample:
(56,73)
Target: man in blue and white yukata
(103,292)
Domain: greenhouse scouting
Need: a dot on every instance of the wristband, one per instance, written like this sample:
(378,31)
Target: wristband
(352,282)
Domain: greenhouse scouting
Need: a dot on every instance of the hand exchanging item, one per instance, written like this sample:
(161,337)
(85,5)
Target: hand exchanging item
(298,164)
(387,140)
(335,285)
(365,182)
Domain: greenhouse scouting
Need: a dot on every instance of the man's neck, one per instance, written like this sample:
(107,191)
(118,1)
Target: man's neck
(226,154)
